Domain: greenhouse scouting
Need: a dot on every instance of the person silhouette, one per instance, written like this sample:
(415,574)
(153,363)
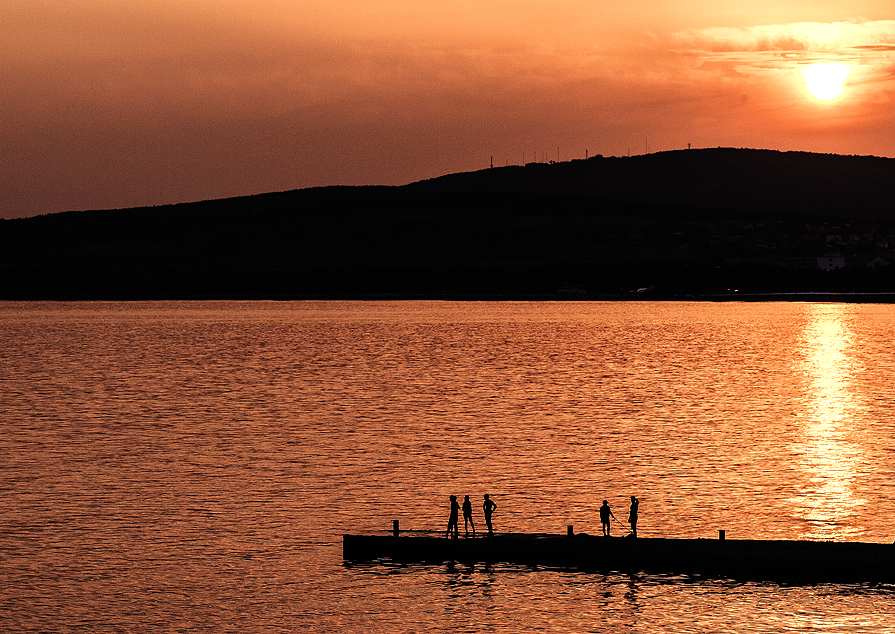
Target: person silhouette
(632,515)
(488,506)
(467,515)
(453,520)
(605,514)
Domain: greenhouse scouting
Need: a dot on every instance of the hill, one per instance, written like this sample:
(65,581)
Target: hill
(683,223)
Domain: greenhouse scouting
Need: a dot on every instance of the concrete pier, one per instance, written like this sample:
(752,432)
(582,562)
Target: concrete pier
(754,559)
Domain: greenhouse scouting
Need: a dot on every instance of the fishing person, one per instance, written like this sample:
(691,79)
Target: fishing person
(632,515)
(605,514)
(453,520)
(467,515)
(488,506)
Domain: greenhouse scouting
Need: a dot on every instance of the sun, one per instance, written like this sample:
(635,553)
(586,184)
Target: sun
(824,81)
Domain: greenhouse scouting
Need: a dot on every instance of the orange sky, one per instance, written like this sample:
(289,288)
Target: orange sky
(113,104)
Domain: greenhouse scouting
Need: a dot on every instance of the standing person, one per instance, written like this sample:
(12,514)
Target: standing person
(605,514)
(632,515)
(488,506)
(467,515)
(453,520)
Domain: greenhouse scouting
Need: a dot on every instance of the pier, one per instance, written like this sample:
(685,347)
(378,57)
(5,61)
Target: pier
(734,558)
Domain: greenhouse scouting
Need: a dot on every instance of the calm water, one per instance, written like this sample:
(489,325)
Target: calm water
(191,466)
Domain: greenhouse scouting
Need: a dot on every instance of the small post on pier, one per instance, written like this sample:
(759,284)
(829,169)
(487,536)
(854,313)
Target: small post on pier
(721,535)
(395,530)
(570,531)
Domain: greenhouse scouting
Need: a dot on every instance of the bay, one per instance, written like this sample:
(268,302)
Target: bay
(191,466)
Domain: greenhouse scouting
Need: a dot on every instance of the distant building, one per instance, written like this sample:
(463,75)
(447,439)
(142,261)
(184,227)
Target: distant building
(831,262)
(803,264)
(572,291)
(868,261)
(825,263)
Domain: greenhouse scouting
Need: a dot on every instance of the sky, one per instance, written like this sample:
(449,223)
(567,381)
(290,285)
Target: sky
(112,104)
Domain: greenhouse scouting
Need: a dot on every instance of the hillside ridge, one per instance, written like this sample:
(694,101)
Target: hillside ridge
(679,223)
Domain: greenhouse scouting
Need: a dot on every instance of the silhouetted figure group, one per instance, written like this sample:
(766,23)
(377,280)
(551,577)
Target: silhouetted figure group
(488,508)
(606,514)
(453,529)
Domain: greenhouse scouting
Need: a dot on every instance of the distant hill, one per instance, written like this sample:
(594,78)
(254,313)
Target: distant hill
(754,181)
(672,224)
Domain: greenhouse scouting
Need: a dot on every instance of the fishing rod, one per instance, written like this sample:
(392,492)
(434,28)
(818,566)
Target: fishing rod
(622,525)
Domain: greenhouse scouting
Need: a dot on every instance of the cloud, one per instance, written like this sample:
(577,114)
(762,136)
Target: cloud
(814,37)
(877,47)
(867,47)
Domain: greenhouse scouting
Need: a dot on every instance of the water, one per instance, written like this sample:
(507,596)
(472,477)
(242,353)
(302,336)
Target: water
(177,466)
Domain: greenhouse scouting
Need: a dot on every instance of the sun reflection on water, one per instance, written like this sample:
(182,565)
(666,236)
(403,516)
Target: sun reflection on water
(827,500)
